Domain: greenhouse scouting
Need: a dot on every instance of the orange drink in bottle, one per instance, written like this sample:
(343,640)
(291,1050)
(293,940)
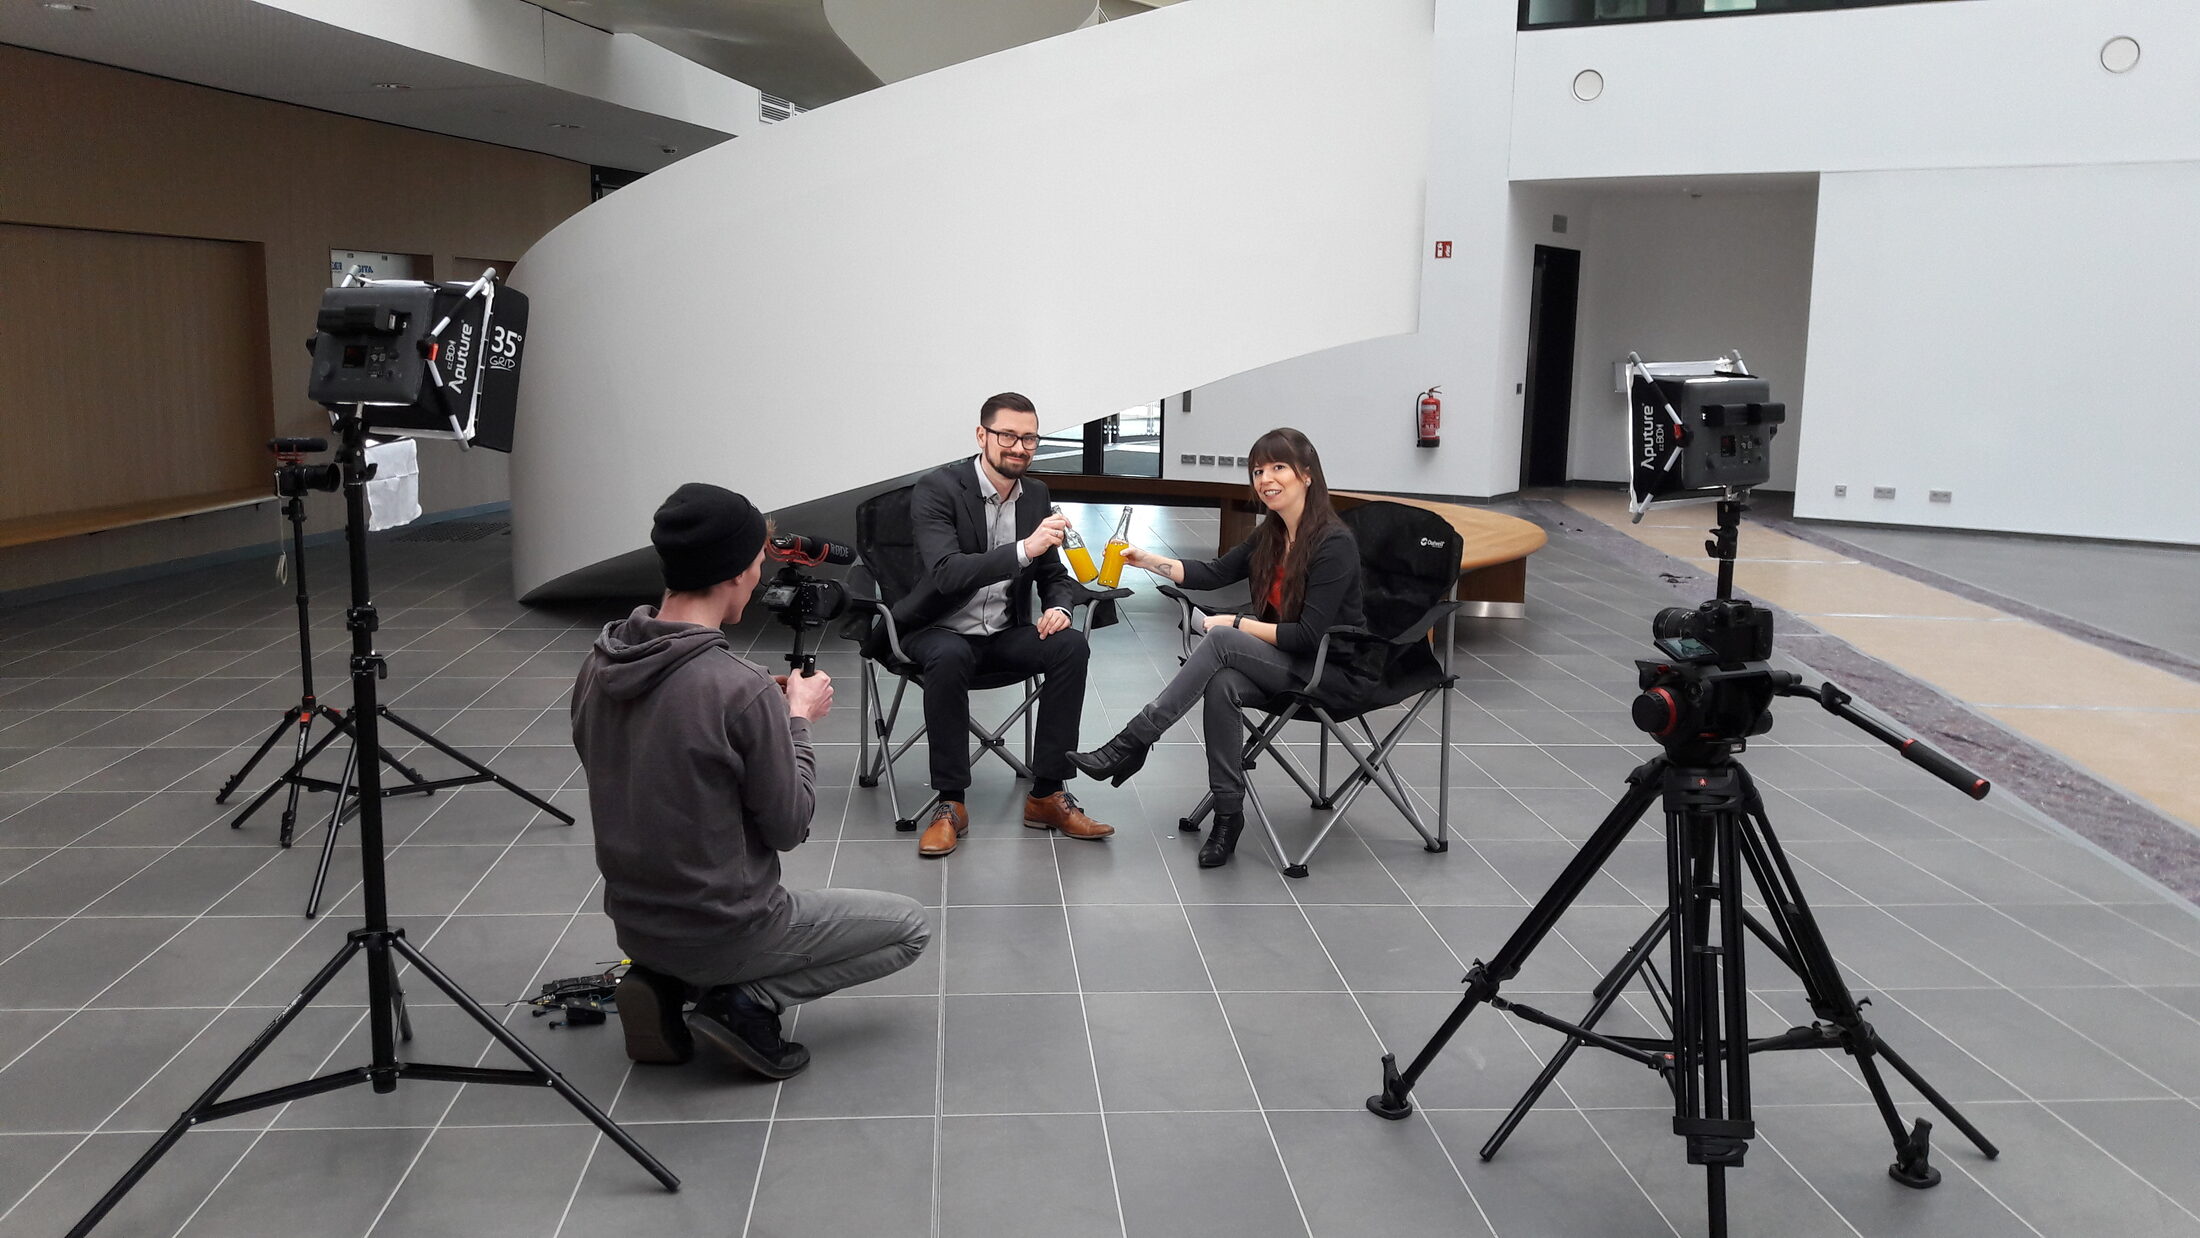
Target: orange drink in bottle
(1111,558)
(1074,550)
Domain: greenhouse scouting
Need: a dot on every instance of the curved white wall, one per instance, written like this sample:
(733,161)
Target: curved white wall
(1095,220)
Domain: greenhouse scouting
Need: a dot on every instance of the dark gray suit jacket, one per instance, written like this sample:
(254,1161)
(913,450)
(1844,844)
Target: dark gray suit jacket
(947,509)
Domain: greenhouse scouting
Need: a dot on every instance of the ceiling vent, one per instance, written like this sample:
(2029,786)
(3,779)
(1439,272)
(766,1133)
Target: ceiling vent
(773,109)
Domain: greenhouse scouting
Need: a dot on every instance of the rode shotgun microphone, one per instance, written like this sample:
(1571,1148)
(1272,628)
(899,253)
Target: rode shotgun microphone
(809,551)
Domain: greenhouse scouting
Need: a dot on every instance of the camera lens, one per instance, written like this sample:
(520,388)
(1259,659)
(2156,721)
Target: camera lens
(1673,621)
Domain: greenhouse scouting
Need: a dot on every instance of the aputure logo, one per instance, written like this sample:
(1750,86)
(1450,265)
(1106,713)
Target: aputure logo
(1649,436)
(1432,543)
(462,354)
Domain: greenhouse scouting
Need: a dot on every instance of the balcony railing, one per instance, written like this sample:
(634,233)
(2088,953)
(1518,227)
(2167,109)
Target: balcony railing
(1549,14)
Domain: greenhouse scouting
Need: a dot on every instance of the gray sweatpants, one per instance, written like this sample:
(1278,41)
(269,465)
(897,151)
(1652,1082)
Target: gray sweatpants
(831,939)
(1227,667)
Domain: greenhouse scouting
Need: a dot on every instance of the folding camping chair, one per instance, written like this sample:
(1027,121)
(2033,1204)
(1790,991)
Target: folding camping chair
(1409,567)
(886,543)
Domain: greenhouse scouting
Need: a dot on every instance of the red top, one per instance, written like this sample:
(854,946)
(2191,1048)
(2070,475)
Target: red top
(1275,593)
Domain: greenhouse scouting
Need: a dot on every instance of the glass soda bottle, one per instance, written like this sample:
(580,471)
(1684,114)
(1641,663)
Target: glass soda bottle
(1111,558)
(1073,549)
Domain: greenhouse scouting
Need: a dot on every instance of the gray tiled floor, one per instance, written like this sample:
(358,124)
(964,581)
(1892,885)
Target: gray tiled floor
(1103,1039)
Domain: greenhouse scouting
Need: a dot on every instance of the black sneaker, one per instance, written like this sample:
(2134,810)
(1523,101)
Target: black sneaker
(747,1032)
(649,1011)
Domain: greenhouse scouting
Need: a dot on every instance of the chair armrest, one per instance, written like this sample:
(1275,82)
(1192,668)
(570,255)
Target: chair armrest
(880,613)
(1186,608)
(1089,596)
(1420,628)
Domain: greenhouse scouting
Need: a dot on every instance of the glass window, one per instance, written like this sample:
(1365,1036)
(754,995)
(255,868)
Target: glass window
(1539,14)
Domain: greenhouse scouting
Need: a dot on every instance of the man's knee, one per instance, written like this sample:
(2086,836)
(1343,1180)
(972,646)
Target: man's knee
(946,662)
(1067,647)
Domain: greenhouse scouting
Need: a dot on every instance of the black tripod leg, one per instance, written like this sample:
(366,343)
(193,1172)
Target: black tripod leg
(1608,991)
(328,842)
(235,780)
(295,771)
(1482,981)
(481,769)
(207,1099)
(337,720)
(550,1076)
(1832,1000)
(298,763)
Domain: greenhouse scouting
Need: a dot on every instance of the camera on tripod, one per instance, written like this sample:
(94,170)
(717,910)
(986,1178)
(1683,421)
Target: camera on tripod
(1717,689)
(294,479)
(1721,632)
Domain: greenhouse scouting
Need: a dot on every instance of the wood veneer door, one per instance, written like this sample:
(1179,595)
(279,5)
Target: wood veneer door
(133,369)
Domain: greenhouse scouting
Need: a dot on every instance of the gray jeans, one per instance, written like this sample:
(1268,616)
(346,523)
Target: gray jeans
(831,939)
(1227,668)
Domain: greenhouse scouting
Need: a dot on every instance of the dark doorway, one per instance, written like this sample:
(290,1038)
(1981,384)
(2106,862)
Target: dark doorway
(1548,398)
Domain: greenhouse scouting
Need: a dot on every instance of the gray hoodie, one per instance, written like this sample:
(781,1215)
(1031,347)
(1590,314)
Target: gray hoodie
(697,779)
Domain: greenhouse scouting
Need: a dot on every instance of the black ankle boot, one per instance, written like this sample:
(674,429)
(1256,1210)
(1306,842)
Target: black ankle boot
(1115,760)
(1221,840)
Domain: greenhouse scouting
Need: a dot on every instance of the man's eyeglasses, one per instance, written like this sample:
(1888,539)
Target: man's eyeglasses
(1009,438)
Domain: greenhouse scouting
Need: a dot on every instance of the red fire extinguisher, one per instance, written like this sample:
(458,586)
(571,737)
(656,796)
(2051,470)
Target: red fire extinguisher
(1429,420)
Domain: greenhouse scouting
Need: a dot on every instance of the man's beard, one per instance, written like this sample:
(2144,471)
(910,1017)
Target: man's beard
(1009,468)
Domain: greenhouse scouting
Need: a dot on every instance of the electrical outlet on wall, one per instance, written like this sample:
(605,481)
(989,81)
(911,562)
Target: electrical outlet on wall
(1206,459)
(1882,492)
(1840,491)
(1940,496)
(1187,458)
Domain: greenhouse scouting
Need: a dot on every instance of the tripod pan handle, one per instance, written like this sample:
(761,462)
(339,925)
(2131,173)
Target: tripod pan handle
(1944,767)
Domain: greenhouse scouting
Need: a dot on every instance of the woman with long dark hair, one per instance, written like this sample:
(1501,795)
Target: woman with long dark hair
(1304,567)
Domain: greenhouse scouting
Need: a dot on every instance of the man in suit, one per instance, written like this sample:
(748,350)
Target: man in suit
(985,534)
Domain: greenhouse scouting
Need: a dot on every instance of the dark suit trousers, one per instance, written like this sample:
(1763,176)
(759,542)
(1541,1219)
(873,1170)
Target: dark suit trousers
(951,662)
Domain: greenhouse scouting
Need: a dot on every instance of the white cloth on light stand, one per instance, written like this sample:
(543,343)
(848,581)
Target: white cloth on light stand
(393,493)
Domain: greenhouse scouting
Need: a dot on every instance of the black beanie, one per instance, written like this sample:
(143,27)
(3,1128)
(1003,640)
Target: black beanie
(705,534)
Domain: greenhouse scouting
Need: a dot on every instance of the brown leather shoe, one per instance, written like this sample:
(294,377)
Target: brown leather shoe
(1059,811)
(950,821)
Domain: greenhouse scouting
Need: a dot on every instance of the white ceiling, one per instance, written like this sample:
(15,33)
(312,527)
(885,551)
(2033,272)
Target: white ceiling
(257,50)
(815,51)
(782,47)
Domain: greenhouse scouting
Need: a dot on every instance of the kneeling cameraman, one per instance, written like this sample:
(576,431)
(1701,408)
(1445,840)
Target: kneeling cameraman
(700,772)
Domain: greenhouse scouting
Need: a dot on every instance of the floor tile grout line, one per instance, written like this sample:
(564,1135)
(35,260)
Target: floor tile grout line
(349,1031)
(173,1057)
(2026,1094)
(1282,1162)
(96,899)
(459,1092)
(1352,831)
(939,1047)
(1092,1049)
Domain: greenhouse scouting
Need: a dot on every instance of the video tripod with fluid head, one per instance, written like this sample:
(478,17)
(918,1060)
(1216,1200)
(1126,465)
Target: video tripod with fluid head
(1702,704)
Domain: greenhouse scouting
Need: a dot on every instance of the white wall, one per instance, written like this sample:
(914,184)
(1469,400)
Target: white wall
(1357,403)
(1964,83)
(2023,337)
(1096,220)
(1934,88)
(1680,278)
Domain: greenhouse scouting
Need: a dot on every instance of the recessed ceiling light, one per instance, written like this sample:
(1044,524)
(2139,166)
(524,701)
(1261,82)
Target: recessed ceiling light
(393,85)
(63,6)
(559,124)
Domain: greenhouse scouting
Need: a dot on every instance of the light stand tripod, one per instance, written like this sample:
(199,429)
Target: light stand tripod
(382,943)
(293,479)
(1702,708)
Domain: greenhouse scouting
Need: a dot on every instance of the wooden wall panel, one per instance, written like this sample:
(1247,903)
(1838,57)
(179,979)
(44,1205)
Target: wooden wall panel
(135,368)
(93,148)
